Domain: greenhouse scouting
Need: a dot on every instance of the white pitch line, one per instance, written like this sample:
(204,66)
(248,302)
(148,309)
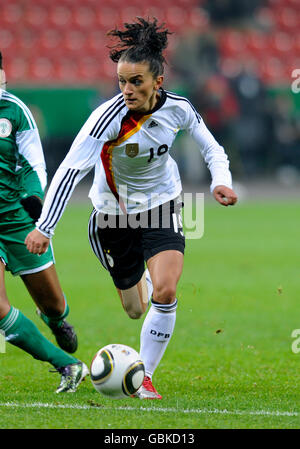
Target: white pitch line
(151,409)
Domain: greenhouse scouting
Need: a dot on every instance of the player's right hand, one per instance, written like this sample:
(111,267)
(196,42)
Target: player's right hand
(36,242)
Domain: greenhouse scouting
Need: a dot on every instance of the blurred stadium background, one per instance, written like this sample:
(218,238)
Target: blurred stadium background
(234,59)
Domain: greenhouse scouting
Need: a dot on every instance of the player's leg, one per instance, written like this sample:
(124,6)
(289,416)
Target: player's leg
(119,251)
(135,299)
(39,275)
(165,269)
(45,289)
(163,250)
(21,332)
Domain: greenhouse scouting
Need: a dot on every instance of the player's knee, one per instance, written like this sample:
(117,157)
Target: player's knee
(4,306)
(165,294)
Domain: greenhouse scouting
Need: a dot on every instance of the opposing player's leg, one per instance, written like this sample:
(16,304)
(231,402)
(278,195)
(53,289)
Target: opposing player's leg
(21,332)
(45,289)
(165,269)
(39,275)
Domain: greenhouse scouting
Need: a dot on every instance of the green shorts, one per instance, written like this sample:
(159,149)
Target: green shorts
(14,227)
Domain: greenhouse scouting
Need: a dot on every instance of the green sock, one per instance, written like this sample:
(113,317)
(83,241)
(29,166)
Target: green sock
(23,333)
(55,321)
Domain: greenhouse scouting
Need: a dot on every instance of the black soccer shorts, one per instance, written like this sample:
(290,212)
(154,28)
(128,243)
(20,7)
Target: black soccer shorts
(124,243)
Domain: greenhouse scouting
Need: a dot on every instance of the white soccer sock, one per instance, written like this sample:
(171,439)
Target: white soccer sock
(149,285)
(156,333)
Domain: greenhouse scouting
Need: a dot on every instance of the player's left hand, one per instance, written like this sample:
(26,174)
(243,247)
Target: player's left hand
(225,196)
(36,242)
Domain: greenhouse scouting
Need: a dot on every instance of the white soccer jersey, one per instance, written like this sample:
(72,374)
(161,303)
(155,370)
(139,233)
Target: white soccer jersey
(131,155)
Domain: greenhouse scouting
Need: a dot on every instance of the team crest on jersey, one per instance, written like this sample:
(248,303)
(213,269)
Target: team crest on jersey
(5,127)
(132,149)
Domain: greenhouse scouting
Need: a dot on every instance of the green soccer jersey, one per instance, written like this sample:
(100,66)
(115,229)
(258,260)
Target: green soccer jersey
(22,163)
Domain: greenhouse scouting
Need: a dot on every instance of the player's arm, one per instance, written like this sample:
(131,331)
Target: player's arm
(36,242)
(216,160)
(30,161)
(225,195)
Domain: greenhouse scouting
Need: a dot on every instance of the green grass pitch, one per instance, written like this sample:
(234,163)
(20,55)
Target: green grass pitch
(230,362)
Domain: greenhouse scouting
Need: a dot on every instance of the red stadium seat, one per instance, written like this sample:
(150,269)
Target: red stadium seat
(16,69)
(8,41)
(287,19)
(96,42)
(154,10)
(257,43)
(50,43)
(84,17)
(297,44)
(108,70)
(129,13)
(176,18)
(281,44)
(74,42)
(273,70)
(232,43)
(35,17)
(89,69)
(66,70)
(41,70)
(107,18)
(60,16)
(293,4)
(189,4)
(11,14)
(27,43)
(198,19)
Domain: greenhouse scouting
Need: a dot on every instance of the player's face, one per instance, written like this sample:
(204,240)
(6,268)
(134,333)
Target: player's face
(138,86)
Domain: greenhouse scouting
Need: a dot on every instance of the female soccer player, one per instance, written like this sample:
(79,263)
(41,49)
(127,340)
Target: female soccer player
(136,188)
(22,181)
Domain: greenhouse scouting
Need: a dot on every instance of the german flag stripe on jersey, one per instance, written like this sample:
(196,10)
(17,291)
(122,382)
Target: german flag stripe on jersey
(131,124)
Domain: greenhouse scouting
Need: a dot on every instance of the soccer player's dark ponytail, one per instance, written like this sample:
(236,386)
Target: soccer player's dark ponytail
(141,41)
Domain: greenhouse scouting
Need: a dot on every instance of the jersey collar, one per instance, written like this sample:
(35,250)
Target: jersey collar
(159,104)
(161,101)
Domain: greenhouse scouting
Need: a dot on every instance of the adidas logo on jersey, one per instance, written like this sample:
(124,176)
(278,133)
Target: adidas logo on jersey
(152,124)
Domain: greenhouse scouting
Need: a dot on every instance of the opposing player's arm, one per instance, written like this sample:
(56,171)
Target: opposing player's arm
(30,159)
